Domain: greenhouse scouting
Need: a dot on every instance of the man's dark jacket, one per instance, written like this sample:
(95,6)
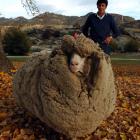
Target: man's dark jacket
(98,29)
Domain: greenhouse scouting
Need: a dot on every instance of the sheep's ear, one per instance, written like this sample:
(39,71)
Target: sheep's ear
(94,69)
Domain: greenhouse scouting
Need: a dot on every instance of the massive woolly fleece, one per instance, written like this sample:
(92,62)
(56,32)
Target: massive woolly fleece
(47,88)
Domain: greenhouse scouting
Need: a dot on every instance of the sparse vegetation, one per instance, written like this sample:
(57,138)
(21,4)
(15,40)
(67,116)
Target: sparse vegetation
(16,42)
(76,25)
(48,33)
(114,46)
(132,46)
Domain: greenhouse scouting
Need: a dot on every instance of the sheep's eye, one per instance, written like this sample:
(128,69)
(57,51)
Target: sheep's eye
(74,64)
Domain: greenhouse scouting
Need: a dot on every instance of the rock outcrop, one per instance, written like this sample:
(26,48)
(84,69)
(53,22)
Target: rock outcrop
(72,104)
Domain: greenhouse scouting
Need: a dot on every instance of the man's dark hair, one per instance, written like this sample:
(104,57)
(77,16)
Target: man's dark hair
(102,1)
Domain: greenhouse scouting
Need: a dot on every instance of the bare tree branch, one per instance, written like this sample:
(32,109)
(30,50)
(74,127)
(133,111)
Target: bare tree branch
(30,6)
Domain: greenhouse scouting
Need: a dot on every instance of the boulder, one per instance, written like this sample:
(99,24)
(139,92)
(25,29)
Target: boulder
(47,88)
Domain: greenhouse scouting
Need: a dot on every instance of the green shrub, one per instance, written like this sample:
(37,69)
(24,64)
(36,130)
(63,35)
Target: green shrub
(76,25)
(16,42)
(132,46)
(114,46)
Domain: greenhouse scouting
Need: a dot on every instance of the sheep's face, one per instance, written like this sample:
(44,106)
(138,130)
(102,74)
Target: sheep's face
(77,63)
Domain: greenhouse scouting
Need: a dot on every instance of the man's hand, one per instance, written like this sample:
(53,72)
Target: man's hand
(108,39)
(75,35)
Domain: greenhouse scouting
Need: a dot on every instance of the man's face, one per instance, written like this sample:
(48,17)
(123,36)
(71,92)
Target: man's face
(101,7)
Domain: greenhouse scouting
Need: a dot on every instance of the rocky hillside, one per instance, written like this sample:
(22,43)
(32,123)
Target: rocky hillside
(132,24)
(57,19)
(46,30)
(13,22)
(132,29)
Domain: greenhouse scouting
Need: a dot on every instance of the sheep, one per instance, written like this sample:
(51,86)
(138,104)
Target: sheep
(72,90)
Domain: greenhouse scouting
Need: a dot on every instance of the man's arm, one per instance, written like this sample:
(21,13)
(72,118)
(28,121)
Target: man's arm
(114,28)
(85,28)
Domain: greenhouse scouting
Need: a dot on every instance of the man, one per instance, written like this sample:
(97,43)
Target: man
(101,26)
